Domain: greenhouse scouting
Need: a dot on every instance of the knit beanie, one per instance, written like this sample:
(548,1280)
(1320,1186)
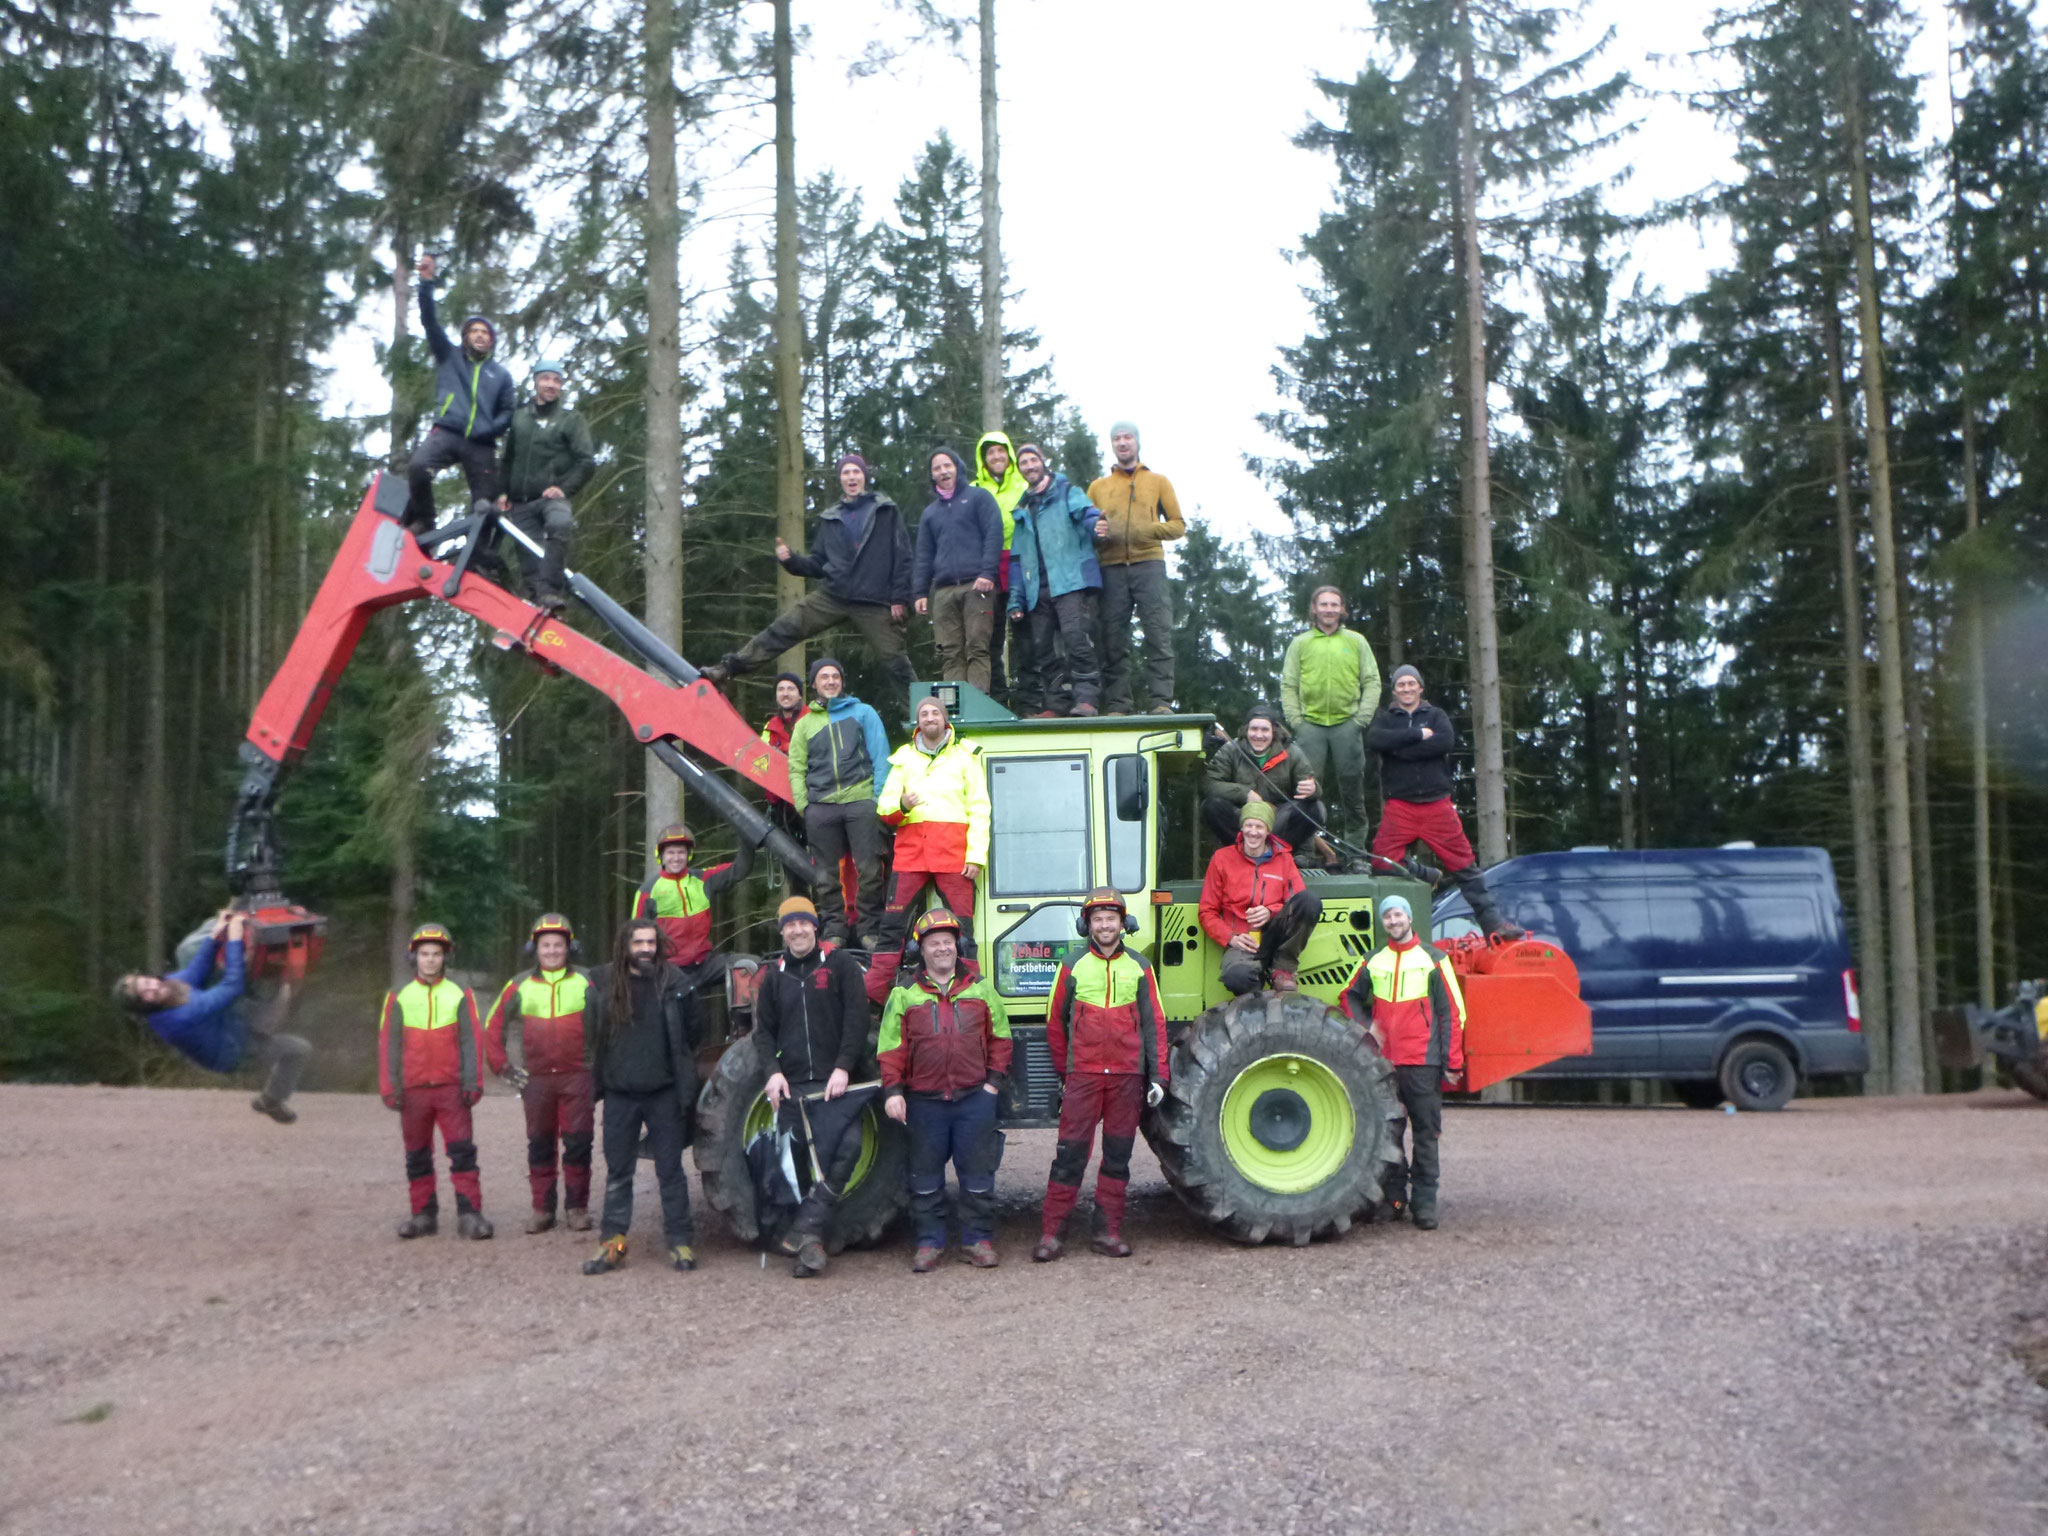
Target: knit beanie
(1404,670)
(1389,904)
(1256,810)
(822,663)
(791,677)
(850,457)
(796,909)
(1024,448)
(548,365)
(1266,712)
(1118,427)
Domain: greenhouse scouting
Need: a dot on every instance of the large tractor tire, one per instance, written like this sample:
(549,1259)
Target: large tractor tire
(2032,1076)
(731,1110)
(1280,1119)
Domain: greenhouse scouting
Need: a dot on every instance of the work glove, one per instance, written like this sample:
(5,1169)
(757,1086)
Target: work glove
(518,1077)
(394,1101)
(1155,1094)
(470,1096)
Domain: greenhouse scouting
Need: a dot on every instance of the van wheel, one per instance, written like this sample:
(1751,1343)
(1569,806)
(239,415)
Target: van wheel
(1697,1095)
(1757,1074)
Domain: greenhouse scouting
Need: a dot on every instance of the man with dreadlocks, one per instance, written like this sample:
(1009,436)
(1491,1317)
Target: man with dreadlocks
(640,1032)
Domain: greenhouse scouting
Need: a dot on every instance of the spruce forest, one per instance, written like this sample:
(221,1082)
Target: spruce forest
(1762,559)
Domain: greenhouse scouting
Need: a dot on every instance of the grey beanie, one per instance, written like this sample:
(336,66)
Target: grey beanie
(1118,427)
(1402,671)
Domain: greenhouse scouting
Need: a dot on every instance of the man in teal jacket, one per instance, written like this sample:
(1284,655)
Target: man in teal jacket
(838,762)
(1054,582)
(1329,690)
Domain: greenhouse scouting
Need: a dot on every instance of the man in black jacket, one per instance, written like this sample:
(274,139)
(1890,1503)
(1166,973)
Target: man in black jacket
(548,459)
(1413,740)
(811,1013)
(640,1030)
(472,407)
(863,555)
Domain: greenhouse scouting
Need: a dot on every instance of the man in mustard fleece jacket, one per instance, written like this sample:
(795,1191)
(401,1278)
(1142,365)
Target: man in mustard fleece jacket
(1139,513)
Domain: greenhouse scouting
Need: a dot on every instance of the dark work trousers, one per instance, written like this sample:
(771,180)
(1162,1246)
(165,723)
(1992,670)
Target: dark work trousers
(1058,669)
(832,832)
(1336,758)
(558,1107)
(1291,822)
(279,1056)
(962,622)
(419,1112)
(1136,591)
(1280,943)
(964,1131)
(550,522)
(1422,1095)
(625,1116)
(437,450)
(1001,676)
(907,885)
(1113,1100)
(834,1129)
(813,614)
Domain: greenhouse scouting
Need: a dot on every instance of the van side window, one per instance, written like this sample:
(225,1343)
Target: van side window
(1765,930)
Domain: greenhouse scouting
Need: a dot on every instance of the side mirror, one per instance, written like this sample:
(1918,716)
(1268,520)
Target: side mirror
(1132,786)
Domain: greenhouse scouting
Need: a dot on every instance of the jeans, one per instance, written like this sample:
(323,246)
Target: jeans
(963,621)
(437,450)
(832,831)
(964,1130)
(1280,943)
(1139,591)
(661,1115)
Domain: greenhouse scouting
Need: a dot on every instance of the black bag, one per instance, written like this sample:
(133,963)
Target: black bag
(771,1164)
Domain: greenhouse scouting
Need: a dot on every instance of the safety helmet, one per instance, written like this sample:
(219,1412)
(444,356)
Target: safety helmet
(674,832)
(938,920)
(1104,896)
(553,922)
(430,933)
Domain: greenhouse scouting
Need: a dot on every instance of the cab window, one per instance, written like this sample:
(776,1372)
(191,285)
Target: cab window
(1126,795)
(1038,826)
(1181,856)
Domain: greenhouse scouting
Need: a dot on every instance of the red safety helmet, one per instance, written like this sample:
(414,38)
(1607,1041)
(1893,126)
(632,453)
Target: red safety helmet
(1104,896)
(553,922)
(430,933)
(938,920)
(674,832)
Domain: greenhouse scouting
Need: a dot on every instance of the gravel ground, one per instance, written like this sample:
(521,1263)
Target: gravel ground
(1632,1320)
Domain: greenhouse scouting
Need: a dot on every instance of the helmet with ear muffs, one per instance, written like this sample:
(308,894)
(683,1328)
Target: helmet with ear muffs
(1103,896)
(553,922)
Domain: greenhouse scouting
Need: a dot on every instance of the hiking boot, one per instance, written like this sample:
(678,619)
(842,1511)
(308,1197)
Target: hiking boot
(577,1218)
(1283,981)
(718,674)
(610,1255)
(420,1224)
(926,1259)
(682,1257)
(1111,1243)
(1086,710)
(550,600)
(810,1257)
(981,1254)
(1423,1211)
(540,1221)
(1162,709)
(1428,874)
(472,1224)
(277,1109)
(1048,1249)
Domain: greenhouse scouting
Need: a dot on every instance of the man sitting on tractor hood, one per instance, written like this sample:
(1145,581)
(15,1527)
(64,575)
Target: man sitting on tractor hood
(1255,905)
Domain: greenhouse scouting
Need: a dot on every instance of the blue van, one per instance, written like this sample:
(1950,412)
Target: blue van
(1724,971)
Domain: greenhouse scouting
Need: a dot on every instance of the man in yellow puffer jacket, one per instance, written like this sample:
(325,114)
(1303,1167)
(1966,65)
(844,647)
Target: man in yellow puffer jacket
(936,797)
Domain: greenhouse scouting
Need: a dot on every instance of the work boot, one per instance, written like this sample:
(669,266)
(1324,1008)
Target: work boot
(420,1223)
(577,1218)
(926,1259)
(1484,912)
(1161,709)
(540,1221)
(1048,714)
(610,1255)
(551,599)
(1428,874)
(1283,981)
(1423,1209)
(472,1224)
(718,674)
(277,1109)
(981,1253)
(682,1257)
(1049,1248)
(810,1257)
(1088,710)
(1108,1236)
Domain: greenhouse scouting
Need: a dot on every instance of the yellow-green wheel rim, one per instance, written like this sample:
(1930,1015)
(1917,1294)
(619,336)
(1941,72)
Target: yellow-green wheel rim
(761,1118)
(1302,1086)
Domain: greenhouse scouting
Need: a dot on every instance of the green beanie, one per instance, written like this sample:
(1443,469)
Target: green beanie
(1256,810)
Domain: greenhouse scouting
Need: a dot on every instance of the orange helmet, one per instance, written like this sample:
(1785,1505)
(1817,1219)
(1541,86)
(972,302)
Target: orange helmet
(674,832)
(1104,896)
(553,922)
(938,920)
(430,933)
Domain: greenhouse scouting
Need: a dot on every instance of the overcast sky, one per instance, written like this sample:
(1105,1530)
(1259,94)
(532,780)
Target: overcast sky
(1150,189)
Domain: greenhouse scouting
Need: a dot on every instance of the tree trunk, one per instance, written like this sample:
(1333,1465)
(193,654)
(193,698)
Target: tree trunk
(991,234)
(1980,736)
(789,328)
(1923,854)
(156,806)
(1908,1068)
(92,802)
(664,392)
(1481,624)
(1870,946)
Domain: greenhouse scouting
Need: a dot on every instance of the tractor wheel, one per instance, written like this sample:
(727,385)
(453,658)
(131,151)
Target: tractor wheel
(1279,1119)
(732,1110)
(2032,1076)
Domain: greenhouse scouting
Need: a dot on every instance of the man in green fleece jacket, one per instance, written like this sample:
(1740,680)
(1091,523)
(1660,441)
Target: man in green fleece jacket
(1329,689)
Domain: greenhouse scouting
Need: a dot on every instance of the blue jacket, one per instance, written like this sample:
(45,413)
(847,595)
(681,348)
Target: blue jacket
(1055,532)
(206,1027)
(958,540)
(473,397)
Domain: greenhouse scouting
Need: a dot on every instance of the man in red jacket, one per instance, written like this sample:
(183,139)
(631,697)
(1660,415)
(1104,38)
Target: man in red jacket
(429,1069)
(1255,905)
(679,899)
(534,1037)
(1410,994)
(1106,1033)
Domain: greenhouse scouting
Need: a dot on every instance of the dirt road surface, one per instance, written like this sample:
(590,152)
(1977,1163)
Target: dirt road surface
(1632,1320)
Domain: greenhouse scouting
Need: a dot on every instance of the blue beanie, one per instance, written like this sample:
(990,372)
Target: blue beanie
(1389,903)
(549,365)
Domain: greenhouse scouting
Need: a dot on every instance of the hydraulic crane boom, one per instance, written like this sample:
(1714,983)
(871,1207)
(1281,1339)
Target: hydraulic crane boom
(380,564)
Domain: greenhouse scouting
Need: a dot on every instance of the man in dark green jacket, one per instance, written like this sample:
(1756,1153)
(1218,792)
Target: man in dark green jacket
(548,459)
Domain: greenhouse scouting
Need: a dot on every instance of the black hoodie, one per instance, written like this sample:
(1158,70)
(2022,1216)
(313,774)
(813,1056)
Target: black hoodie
(1411,768)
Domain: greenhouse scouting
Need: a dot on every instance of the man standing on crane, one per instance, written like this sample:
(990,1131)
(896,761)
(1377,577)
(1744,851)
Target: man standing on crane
(472,409)
(679,899)
(534,1037)
(429,1069)
(548,459)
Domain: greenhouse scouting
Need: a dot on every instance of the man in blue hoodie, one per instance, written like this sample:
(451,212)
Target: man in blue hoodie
(959,561)
(205,1025)
(863,555)
(1054,581)
(472,408)
(838,763)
